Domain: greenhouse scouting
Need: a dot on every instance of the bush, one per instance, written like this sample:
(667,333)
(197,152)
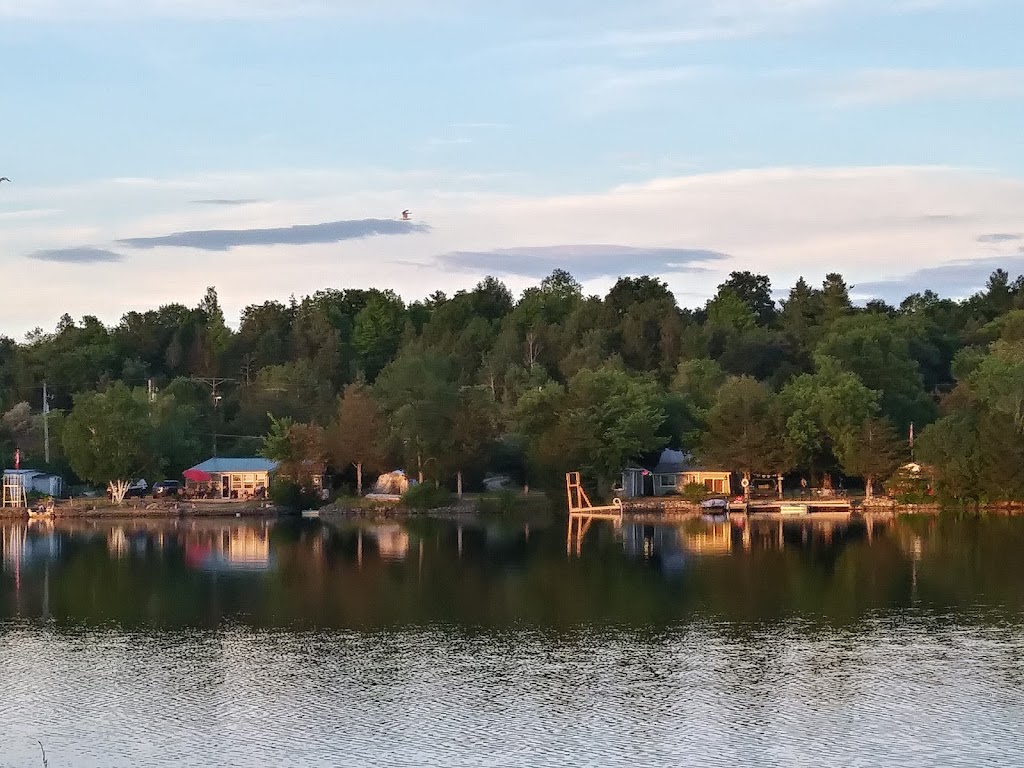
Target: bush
(695,492)
(500,502)
(426,496)
(294,497)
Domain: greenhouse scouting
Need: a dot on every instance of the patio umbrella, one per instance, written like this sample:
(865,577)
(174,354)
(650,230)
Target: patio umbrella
(197,475)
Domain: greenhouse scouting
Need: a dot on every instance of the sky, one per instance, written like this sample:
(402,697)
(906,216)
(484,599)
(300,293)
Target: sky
(268,147)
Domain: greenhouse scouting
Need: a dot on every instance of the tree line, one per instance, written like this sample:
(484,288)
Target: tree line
(357,382)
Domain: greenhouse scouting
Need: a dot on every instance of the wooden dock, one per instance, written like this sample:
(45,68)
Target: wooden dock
(582,513)
(835,509)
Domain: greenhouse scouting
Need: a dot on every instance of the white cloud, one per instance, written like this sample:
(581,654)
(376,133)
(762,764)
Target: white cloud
(871,224)
(889,86)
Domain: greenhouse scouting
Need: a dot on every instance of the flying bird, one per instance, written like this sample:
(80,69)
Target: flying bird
(405,215)
(4,178)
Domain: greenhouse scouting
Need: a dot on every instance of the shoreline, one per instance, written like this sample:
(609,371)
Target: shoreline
(663,510)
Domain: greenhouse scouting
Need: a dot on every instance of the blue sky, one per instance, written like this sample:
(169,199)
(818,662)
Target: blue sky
(880,138)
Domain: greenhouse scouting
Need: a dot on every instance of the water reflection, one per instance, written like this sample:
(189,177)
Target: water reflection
(726,534)
(481,642)
(498,571)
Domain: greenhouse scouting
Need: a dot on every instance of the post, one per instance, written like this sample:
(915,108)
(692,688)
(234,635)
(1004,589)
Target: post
(216,419)
(46,425)
(458,477)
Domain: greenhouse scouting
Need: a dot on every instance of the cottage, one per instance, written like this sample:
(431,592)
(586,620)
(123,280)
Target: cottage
(229,478)
(33,481)
(635,482)
(675,471)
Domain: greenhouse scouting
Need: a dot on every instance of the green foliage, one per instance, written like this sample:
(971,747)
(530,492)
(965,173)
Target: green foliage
(500,503)
(998,379)
(694,492)
(730,312)
(877,350)
(118,434)
(952,445)
(755,291)
(423,496)
(474,432)
(977,448)
(276,443)
(357,435)
(823,413)
(746,429)
(535,385)
(601,421)
(298,449)
(293,496)
(107,436)
(873,452)
(377,331)
(417,390)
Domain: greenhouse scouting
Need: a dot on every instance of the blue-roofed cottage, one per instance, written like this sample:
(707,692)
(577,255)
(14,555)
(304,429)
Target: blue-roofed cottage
(227,478)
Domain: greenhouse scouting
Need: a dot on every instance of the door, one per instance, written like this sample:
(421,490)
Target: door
(225,486)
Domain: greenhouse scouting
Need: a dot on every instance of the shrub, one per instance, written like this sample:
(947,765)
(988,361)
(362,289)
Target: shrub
(294,497)
(426,496)
(694,492)
(500,502)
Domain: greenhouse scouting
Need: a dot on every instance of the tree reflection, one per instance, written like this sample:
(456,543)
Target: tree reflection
(490,574)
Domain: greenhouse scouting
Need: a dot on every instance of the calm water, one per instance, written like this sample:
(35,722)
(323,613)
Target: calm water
(312,644)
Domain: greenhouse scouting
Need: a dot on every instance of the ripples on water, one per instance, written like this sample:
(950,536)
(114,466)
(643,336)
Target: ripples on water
(917,672)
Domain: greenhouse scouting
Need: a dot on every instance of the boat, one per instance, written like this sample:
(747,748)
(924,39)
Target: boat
(714,510)
(714,504)
(311,513)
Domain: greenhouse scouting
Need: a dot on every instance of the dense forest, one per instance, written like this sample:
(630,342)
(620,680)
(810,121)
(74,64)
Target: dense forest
(450,387)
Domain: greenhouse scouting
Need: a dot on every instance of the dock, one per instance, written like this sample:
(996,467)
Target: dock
(817,508)
(582,513)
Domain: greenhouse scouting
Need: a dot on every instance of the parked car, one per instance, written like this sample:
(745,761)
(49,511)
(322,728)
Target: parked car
(166,488)
(136,488)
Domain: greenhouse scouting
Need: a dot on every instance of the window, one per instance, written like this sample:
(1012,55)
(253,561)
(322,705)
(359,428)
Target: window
(668,481)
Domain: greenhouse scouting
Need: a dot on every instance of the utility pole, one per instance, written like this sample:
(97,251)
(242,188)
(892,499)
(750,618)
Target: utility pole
(46,425)
(213,382)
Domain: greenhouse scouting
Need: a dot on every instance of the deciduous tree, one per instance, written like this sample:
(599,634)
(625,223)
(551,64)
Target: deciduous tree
(874,453)
(746,431)
(357,435)
(108,438)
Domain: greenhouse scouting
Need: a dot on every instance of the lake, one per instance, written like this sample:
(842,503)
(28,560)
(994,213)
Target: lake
(486,643)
